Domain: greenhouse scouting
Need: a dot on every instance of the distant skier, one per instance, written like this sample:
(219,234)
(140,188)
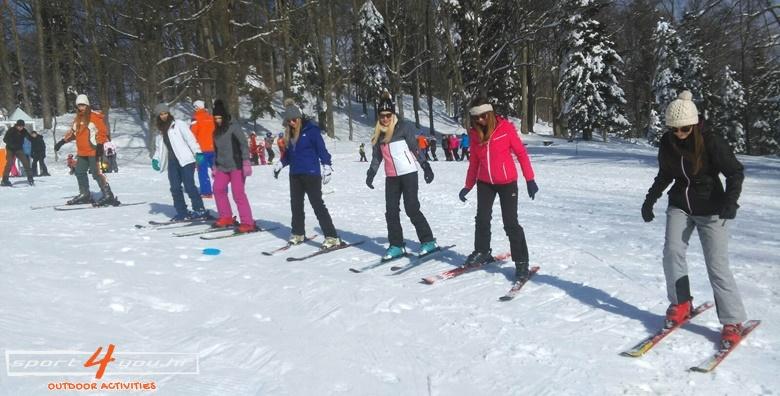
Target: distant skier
(395,143)
(693,160)
(14,148)
(71,163)
(432,146)
(454,144)
(269,146)
(90,132)
(306,153)
(422,147)
(176,151)
(253,157)
(491,167)
(464,145)
(231,168)
(261,151)
(445,145)
(110,149)
(362,152)
(202,127)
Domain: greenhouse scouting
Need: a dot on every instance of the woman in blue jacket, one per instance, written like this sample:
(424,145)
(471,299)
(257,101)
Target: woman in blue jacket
(305,153)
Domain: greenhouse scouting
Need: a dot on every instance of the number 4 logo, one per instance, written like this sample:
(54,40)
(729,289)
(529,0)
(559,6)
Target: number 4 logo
(102,362)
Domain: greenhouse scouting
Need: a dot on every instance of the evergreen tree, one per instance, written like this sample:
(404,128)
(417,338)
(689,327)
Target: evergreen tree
(729,112)
(375,50)
(481,34)
(766,108)
(593,100)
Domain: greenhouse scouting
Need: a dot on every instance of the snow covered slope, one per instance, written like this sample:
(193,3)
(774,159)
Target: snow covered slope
(262,325)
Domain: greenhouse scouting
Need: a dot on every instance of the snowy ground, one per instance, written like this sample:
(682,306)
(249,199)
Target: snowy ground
(261,325)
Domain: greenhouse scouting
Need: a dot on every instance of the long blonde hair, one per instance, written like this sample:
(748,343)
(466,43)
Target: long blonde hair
(487,131)
(291,134)
(387,130)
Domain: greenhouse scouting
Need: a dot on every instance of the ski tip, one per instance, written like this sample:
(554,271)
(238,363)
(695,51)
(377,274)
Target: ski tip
(505,298)
(355,270)
(428,281)
(267,254)
(395,268)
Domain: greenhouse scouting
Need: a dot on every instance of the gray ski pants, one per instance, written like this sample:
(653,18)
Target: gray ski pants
(714,237)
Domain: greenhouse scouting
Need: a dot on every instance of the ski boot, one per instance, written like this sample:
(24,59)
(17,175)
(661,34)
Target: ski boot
(224,222)
(731,335)
(521,270)
(243,228)
(6,183)
(330,243)
(427,248)
(202,214)
(678,313)
(477,258)
(82,198)
(296,239)
(108,198)
(394,252)
(181,217)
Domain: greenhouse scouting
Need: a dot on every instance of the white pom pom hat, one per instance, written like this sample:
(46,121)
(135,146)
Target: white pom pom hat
(682,111)
(82,99)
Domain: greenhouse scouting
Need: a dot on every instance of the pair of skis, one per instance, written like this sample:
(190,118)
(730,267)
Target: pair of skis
(416,259)
(66,207)
(708,364)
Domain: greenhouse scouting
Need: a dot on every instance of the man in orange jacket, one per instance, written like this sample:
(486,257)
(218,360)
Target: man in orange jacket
(90,132)
(203,128)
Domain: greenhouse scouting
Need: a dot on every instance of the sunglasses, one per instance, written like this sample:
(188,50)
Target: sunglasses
(385,115)
(479,117)
(685,129)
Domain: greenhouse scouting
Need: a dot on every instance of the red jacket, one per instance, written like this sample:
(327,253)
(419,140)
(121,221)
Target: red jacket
(491,162)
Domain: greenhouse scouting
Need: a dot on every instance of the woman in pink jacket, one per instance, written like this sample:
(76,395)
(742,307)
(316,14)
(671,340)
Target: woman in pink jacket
(491,167)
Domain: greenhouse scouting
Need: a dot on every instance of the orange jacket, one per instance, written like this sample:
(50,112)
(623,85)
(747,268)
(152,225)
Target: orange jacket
(203,128)
(422,142)
(88,136)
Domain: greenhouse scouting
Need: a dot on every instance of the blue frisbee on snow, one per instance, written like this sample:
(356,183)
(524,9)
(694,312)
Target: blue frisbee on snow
(211,251)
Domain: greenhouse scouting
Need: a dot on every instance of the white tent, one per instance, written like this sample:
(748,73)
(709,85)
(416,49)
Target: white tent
(19,114)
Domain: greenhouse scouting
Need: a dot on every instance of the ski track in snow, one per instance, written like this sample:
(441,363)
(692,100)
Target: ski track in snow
(262,325)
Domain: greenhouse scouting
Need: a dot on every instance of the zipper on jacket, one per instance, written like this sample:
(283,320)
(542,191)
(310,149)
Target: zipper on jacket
(687,200)
(490,174)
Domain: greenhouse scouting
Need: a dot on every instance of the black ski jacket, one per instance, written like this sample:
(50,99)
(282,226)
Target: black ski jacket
(701,194)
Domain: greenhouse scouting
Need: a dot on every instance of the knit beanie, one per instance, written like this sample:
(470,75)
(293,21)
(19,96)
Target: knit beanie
(386,103)
(161,108)
(19,122)
(219,109)
(82,99)
(199,104)
(291,111)
(682,111)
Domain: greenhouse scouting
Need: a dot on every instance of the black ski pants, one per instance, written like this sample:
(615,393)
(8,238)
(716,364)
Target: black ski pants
(406,186)
(310,185)
(507,195)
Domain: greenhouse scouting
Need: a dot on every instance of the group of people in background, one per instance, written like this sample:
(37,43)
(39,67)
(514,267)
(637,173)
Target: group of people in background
(455,147)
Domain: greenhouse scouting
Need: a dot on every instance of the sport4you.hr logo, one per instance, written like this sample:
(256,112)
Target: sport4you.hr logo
(97,365)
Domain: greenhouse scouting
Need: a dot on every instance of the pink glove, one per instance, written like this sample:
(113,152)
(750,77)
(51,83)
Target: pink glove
(247,168)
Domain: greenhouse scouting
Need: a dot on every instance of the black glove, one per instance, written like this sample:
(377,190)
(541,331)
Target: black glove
(427,173)
(532,188)
(370,178)
(728,211)
(647,211)
(462,194)
(59,145)
(99,150)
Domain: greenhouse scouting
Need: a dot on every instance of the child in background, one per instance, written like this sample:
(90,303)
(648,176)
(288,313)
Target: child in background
(362,151)
(71,162)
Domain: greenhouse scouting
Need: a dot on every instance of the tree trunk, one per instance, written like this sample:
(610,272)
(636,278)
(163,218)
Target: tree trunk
(42,59)
(97,60)
(7,96)
(59,90)
(19,61)
(524,107)
(416,99)
(429,67)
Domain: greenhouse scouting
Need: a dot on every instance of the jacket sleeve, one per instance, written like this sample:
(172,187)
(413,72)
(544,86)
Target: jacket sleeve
(319,145)
(188,137)
(242,143)
(160,152)
(471,173)
(728,164)
(376,157)
(662,180)
(102,130)
(521,153)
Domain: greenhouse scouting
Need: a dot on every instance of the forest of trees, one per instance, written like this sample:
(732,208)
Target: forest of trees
(592,69)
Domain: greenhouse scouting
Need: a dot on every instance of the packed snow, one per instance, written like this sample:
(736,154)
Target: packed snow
(78,280)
